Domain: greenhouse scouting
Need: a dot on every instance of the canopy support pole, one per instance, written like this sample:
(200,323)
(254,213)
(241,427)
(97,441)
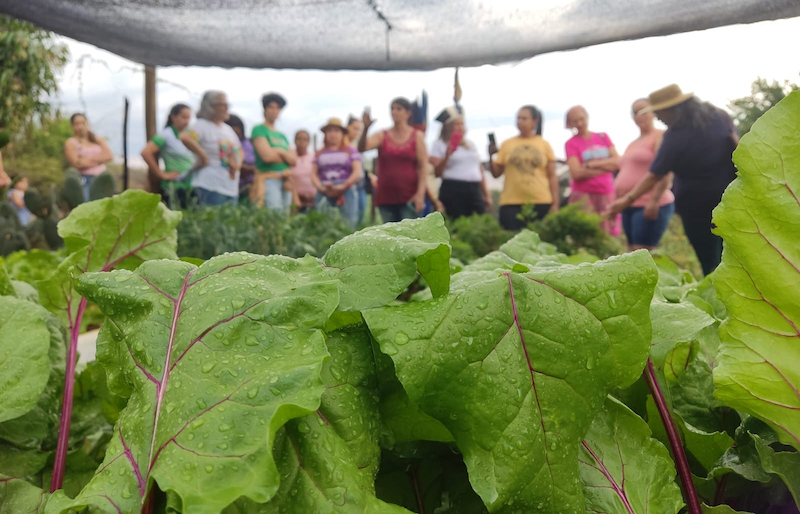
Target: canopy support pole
(150,117)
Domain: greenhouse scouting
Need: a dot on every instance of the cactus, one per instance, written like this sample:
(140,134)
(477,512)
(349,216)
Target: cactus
(72,190)
(34,203)
(102,187)
(12,234)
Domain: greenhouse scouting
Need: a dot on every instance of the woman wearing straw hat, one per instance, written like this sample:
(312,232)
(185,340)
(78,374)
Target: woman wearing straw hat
(697,148)
(456,160)
(336,170)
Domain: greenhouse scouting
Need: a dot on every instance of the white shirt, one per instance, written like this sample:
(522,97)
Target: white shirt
(464,164)
(221,145)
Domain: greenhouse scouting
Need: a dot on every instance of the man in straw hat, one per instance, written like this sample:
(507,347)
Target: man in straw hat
(697,148)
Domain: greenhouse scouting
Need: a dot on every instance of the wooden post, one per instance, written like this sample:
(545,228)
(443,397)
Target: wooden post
(150,117)
(125,177)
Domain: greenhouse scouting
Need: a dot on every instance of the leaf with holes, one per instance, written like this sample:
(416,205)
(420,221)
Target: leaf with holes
(758,369)
(376,264)
(215,360)
(516,366)
(623,470)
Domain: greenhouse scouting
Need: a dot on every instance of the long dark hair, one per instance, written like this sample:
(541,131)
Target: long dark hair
(536,114)
(176,110)
(694,113)
(89,134)
(236,122)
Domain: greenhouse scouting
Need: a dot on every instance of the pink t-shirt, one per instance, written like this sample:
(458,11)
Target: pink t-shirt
(89,151)
(585,149)
(301,176)
(634,166)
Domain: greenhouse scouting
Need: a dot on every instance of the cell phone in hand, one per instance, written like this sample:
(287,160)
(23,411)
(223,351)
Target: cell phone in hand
(455,140)
(491,139)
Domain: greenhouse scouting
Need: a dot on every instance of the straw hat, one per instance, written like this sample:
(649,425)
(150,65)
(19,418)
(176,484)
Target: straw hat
(334,123)
(667,97)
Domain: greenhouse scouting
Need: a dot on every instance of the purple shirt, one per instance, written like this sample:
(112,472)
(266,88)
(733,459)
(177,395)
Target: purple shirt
(336,165)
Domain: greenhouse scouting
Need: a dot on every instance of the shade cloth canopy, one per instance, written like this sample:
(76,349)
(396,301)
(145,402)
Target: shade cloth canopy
(373,34)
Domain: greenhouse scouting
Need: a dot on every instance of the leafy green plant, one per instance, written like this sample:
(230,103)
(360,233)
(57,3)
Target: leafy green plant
(480,232)
(520,383)
(573,230)
(209,231)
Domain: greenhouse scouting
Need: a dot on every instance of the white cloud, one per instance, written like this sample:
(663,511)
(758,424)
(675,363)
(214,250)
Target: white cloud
(718,65)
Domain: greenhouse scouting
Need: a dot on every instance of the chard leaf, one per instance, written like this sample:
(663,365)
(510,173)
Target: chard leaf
(623,470)
(758,368)
(25,364)
(121,231)
(517,366)
(319,474)
(784,464)
(376,264)
(19,497)
(215,360)
(721,509)
(522,251)
(674,323)
(15,462)
(404,420)
(350,402)
(427,478)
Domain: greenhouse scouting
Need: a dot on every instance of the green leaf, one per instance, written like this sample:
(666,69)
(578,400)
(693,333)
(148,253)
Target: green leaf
(517,366)
(402,417)
(6,289)
(24,346)
(427,478)
(721,509)
(33,265)
(784,464)
(707,448)
(36,428)
(350,402)
(15,462)
(623,470)
(215,360)
(759,278)
(18,496)
(121,231)
(378,263)
(519,254)
(322,482)
(674,323)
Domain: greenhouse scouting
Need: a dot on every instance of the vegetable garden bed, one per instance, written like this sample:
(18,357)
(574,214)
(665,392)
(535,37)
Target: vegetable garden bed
(518,383)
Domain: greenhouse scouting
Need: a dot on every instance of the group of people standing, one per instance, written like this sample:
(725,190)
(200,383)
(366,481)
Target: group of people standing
(682,170)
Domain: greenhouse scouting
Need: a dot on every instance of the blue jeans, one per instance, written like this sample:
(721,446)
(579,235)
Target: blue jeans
(86,182)
(348,210)
(275,197)
(206,197)
(644,232)
(397,212)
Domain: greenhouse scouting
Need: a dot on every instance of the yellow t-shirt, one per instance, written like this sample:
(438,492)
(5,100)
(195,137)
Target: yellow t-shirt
(525,160)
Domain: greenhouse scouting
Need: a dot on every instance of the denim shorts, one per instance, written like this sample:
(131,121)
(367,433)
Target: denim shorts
(206,197)
(643,232)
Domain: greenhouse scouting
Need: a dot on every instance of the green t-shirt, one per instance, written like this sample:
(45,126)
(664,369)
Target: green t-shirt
(276,140)
(176,158)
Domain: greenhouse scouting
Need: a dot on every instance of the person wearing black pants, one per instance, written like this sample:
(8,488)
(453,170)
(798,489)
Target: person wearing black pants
(463,191)
(697,148)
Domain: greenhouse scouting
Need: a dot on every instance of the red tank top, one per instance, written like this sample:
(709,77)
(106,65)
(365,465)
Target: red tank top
(397,170)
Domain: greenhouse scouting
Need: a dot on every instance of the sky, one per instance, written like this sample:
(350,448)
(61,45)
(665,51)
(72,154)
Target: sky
(718,65)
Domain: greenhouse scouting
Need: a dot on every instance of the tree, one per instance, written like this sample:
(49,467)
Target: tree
(31,60)
(764,95)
